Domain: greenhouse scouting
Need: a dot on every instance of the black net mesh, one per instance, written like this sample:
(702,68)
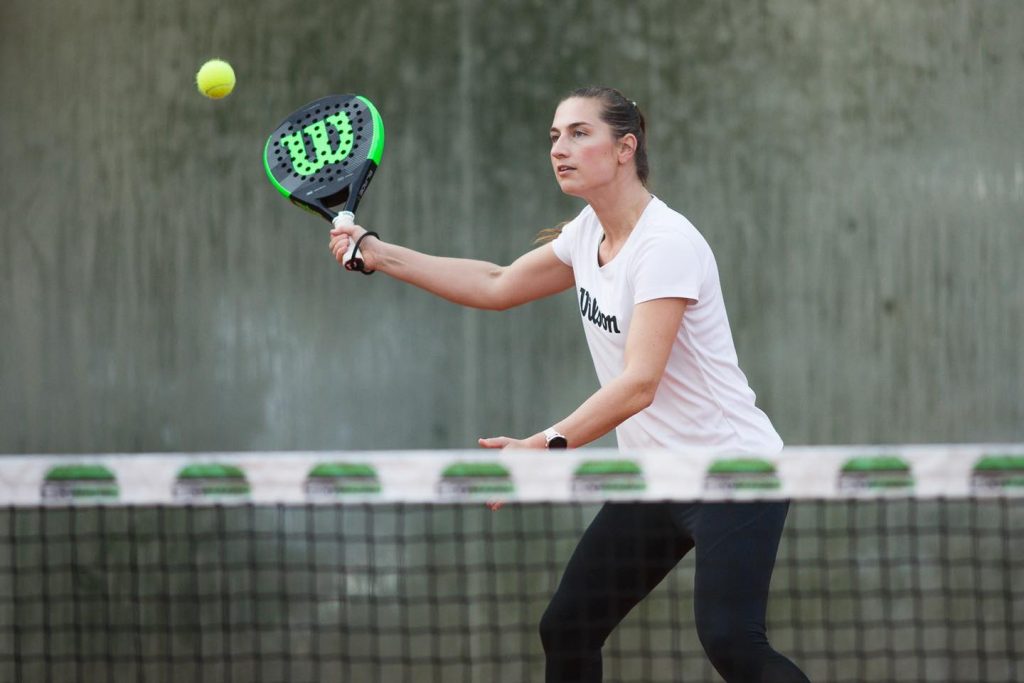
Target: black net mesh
(894,589)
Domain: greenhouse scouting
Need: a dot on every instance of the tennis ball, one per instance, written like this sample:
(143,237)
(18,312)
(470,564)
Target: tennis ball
(216,79)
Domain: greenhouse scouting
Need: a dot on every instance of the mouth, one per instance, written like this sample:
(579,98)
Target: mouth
(563,169)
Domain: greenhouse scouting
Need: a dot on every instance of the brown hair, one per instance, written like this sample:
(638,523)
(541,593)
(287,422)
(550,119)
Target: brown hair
(625,118)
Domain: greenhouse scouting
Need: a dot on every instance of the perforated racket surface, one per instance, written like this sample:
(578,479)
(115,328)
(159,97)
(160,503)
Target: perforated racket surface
(324,154)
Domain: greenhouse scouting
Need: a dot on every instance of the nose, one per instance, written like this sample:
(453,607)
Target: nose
(558,149)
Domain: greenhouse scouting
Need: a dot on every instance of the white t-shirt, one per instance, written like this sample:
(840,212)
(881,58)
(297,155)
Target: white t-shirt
(703,399)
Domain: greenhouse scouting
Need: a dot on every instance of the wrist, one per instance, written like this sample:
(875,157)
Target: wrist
(374,251)
(381,253)
(537,441)
(554,439)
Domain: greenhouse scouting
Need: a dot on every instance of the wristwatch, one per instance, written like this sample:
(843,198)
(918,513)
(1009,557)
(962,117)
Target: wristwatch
(554,439)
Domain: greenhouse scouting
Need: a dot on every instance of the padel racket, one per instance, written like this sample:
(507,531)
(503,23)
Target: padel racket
(323,156)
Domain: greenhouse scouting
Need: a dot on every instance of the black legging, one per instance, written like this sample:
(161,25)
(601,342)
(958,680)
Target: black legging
(630,547)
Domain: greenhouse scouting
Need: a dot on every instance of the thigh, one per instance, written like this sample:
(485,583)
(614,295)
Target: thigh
(736,548)
(624,553)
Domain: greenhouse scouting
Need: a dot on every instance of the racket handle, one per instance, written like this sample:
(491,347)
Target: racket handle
(348,218)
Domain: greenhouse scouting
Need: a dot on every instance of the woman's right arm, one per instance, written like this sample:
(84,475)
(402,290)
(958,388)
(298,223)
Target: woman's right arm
(467,282)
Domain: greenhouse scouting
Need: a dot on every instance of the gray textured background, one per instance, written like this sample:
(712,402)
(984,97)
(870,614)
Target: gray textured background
(857,167)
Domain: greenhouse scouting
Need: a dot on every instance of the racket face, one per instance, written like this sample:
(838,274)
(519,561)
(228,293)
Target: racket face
(323,155)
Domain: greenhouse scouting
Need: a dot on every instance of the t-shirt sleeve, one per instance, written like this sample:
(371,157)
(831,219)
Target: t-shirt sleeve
(565,243)
(667,265)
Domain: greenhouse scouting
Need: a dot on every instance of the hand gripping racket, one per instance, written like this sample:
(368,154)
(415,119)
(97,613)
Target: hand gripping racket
(323,156)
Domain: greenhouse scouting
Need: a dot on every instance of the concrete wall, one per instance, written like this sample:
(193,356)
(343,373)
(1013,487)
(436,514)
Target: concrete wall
(857,167)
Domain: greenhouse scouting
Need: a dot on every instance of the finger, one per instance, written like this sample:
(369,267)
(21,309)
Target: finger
(495,506)
(348,256)
(494,442)
(339,244)
(344,224)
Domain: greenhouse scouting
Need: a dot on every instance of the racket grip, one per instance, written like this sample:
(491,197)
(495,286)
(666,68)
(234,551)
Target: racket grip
(348,218)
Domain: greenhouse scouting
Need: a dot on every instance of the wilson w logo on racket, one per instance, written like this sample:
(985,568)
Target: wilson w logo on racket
(323,155)
(320,136)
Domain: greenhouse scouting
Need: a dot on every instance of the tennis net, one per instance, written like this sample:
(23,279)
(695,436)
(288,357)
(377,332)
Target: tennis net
(897,564)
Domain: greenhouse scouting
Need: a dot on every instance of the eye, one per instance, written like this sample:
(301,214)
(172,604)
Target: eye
(554,139)
(578,133)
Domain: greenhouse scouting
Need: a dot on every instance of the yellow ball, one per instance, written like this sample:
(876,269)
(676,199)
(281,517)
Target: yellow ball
(216,79)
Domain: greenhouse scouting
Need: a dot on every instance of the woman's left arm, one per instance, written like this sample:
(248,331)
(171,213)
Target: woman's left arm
(652,332)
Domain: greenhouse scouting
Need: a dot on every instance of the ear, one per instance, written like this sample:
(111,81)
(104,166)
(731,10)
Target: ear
(626,147)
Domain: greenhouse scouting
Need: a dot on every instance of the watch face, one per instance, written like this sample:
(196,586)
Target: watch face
(557,442)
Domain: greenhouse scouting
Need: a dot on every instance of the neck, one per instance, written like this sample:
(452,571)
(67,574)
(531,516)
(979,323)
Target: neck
(619,209)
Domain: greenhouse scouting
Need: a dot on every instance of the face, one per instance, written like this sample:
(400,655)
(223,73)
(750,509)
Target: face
(584,152)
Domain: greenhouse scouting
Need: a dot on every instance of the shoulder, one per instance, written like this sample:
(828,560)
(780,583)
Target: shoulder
(671,259)
(666,228)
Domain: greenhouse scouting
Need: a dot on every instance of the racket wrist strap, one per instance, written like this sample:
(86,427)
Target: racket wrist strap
(355,252)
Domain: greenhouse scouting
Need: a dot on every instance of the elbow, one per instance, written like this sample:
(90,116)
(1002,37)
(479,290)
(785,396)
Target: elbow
(493,303)
(646,400)
(497,304)
(643,393)
(499,296)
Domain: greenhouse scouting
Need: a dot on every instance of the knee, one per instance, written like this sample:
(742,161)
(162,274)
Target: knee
(551,626)
(556,628)
(731,647)
(721,646)
(563,627)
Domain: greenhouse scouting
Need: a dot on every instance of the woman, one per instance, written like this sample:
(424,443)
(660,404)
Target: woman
(656,325)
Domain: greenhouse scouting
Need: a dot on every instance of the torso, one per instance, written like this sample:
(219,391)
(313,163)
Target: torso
(704,399)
